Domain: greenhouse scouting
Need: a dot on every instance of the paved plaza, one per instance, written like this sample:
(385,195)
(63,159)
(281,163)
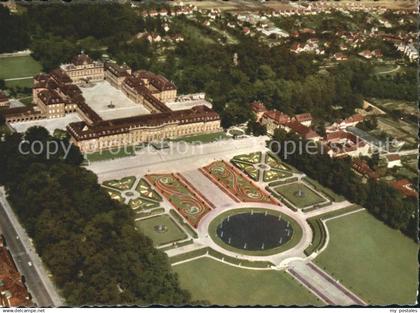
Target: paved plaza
(101,94)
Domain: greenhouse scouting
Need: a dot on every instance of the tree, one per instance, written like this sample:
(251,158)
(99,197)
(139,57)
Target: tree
(2,119)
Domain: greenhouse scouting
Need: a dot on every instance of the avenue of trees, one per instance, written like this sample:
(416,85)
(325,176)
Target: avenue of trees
(378,197)
(88,241)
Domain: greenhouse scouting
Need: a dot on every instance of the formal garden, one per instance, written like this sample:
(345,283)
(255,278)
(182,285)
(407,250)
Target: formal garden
(300,195)
(257,165)
(187,201)
(233,183)
(162,229)
(138,195)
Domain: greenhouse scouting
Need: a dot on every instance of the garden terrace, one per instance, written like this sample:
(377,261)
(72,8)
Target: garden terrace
(189,203)
(233,183)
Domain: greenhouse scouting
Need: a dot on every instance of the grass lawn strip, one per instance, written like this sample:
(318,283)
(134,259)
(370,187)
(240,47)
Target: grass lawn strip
(146,191)
(18,66)
(248,169)
(122,184)
(374,261)
(309,197)
(222,284)
(171,233)
(272,175)
(252,158)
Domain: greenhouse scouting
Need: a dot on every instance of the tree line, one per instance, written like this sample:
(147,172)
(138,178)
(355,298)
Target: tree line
(88,241)
(378,197)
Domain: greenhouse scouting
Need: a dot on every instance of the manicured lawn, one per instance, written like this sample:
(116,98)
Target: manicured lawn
(376,262)
(22,83)
(172,231)
(203,138)
(22,66)
(110,154)
(223,284)
(122,184)
(331,194)
(290,192)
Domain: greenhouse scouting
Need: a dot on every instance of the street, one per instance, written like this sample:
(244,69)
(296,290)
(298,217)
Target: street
(42,295)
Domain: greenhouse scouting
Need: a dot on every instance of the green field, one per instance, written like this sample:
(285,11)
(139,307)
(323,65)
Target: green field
(376,262)
(22,66)
(203,138)
(308,198)
(22,83)
(110,154)
(223,284)
(172,233)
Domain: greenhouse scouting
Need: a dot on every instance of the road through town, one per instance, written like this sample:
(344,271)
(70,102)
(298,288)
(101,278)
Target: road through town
(26,259)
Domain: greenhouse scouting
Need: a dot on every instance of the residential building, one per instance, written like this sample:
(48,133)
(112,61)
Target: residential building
(393,160)
(4,100)
(13,292)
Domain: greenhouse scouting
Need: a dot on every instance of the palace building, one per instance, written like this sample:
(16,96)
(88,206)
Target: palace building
(84,69)
(63,91)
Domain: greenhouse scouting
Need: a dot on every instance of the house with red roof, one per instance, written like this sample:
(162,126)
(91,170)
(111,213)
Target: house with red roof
(259,109)
(4,100)
(273,120)
(13,292)
(304,118)
(405,187)
(393,160)
(303,131)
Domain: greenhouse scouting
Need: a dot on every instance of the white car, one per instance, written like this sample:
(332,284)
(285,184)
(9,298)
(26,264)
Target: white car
(30,263)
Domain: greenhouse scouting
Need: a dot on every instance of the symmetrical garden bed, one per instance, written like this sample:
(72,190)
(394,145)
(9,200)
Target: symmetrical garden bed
(233,183)
(189,203)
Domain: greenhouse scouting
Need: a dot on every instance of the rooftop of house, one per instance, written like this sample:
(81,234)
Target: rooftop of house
(277,117)
(258,107)
(393,157)
(304,131)
(13,292)
(405,187)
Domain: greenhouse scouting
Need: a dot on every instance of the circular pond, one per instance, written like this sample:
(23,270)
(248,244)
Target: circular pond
(255,231)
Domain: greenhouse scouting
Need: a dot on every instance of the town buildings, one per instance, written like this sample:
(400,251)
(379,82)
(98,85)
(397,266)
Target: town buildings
(13,292)
(4,100)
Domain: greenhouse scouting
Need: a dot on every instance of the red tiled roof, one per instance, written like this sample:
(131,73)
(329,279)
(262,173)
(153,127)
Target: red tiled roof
(393,157)
(363,168)
(81,59)
(258,107)
(50,97)
(277,117)
(304,131)
(196,114)
(304,117)
(13,292)
(404,186)
(354,119)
